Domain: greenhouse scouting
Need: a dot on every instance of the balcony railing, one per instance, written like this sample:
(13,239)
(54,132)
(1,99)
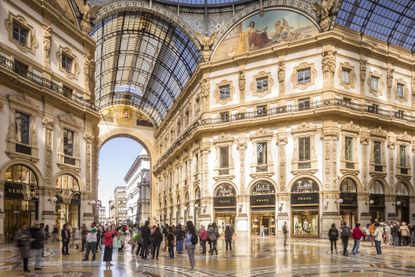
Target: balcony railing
(322,105)
(43,82)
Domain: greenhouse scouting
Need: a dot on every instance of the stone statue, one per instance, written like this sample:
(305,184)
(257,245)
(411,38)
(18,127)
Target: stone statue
(363,70)
(329,62)
(47,42)
(88,72)
(86,17)
(206,42)
(323,11)
(281,71)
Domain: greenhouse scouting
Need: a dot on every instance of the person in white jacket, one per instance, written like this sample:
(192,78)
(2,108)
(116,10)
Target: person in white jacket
(378,235)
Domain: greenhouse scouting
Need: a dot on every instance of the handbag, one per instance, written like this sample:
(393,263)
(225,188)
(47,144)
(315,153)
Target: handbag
(116,243)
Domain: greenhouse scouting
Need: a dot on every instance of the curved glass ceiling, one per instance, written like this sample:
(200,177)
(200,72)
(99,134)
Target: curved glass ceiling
(143,61)
(392,21)
(204,2)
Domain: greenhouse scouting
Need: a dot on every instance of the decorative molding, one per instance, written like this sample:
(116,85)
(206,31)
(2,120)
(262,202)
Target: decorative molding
(32,43)
(375,74)
(89,69)
(260,75)
(379,132)
(47,43)
(352,80)
(67,120)
(303,128)
(389,76)
(262,133)
(404,97)
(405,137)
(206,42)
(350,127)
(302,66)
(74,72)
(242,85)
(217,92)
(328,61)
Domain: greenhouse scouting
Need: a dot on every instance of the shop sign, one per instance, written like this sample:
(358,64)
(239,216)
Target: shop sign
(224,201)
(18,191)
(349,198)
(263,187)
(262,200)
(225,190)
(304,198)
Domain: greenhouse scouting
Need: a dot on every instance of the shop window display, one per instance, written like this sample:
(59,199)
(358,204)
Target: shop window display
(305,223)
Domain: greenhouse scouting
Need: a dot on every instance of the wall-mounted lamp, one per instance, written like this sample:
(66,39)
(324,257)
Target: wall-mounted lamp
(340,201)
(196,205)
(371,202)
(185,208)
(398,203)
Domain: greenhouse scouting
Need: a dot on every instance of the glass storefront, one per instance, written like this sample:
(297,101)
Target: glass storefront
(223,219)
(348,201)
(377,201)
(262,205)
(305,223)
(263,223)
(68,204)
(224,203)
(402,202)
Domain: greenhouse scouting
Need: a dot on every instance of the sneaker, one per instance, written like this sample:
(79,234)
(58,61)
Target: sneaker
(38,268)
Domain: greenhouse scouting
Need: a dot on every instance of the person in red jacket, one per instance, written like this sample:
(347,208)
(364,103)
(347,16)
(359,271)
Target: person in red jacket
(108,240)
(203,236)
(357,235)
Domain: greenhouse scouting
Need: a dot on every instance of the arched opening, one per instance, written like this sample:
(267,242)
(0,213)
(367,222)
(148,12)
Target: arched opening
(224,204)
(377,201)
(348,201)
(21,199)
(305,201)
(262,205)
(124,180)
(68,201)
(402,202)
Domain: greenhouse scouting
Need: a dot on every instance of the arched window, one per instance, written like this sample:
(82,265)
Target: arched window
(305,185)
(376,188)
(402,189)
(21,177)
(348,185)
(67,182)
(197,193)
(263,187)
(225,189)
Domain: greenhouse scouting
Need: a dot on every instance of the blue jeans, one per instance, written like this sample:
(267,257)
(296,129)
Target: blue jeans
(356,245)
(377,245)
(179,246)
(37,253)
(171,251)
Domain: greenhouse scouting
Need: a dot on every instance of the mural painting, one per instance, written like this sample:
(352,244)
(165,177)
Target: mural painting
(124,115)
(259,31)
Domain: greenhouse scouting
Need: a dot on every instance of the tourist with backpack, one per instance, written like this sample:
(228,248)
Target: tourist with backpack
(333,237)
(191,240)
(345,235)
(213,235)
(228,237)
(357,235)
(170,242)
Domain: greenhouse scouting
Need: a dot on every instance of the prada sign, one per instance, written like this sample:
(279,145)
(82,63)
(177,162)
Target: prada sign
(262,200)
(224,201)
(305,198)
(349,198)
(19,191)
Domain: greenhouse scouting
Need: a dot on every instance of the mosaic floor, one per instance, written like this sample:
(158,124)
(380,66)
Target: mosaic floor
(255,257)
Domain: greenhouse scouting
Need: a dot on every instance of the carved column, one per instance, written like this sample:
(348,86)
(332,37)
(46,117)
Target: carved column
(281,75)
(389,81)
(282,141)
(48,124)
(391,148)
(205,92)
(328,65)
(242,84)
(88,147)
(47,43)
(362,74)
(330,138)
(242,147)
(364,140)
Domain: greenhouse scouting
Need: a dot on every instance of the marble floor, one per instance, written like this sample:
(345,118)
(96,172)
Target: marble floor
(250,257)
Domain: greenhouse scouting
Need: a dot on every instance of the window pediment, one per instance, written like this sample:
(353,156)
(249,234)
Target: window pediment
(347,84)
(350,127)
(263,91)
(301,67)
(31,43)
(373,75)
(304,127)
(73,72)
(403,95)
(217,93)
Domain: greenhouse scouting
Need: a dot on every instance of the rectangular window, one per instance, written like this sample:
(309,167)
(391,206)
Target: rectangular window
(20,68)
(346,76)
(304,104)
(67,92)
(20,33)
(304,76)
(68,137)
(261,153)
(224,92)
(261,110)
(348,149)
(262,84)
(402,156)
(304,149)
(374,84)
(399,89)
(224,116)
(22,122)
(377,148)
(67,62)
(224,157)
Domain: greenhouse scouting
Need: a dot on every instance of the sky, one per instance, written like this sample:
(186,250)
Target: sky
(115,159)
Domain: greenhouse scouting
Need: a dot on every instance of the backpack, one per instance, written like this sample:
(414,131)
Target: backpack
(333,233)
(345,232)
(194,239)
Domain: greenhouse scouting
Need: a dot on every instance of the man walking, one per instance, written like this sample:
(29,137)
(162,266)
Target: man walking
(66,237)
(345,234)
(91,244)
(285,232)
(37,244)
(145,235)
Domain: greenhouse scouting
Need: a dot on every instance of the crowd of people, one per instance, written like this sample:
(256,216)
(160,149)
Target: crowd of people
(374,233)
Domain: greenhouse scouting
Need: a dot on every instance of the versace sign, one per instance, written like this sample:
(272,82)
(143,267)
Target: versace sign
(18,191)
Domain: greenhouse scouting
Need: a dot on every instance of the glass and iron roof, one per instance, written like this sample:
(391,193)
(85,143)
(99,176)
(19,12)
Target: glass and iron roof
(143,61)
(204,2)
(392,21)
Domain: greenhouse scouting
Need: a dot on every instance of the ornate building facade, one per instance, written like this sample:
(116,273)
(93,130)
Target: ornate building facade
(48,119)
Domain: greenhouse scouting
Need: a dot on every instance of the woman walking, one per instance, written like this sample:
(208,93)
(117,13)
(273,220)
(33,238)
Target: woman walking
(23,240)
(228,237)
(213,236)
(333,237)
(156,238)
(203,236)
(357,235)
(378,235)
(108,239)
(179,239)
(190,242)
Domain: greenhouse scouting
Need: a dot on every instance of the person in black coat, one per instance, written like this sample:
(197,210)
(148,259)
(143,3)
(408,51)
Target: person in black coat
(157,238)
(66,238)
(145,235)
(38,243)
(333,237)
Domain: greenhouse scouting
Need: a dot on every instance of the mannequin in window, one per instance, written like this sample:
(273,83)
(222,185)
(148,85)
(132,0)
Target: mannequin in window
(305,226)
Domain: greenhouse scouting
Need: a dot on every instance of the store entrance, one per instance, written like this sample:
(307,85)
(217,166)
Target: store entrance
(17,214)
(223,219)
(263,224)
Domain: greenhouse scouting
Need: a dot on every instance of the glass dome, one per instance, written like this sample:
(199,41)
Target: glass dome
(203,2)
